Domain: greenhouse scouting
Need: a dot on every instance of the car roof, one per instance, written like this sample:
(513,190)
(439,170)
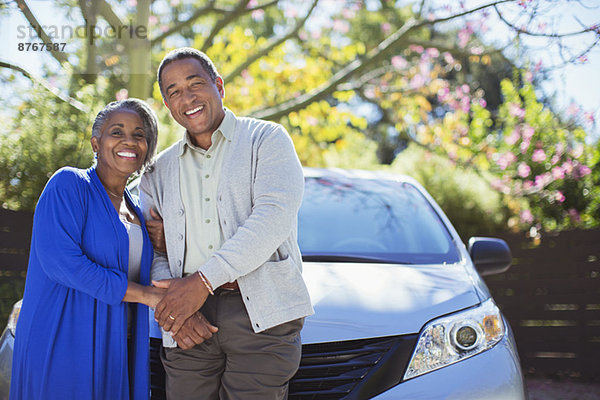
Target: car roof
(357,174)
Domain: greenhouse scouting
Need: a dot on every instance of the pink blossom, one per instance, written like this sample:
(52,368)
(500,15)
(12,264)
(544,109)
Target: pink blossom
(513,137)
(523,170)
(573,110)
(417,81)
(528,76)
(583,170)
(505,160)
(465,104)
(292,12)
(302,35)
(482,103)
(252,4)
(524,146)
(477,50)
(448,57)
(341,26)
(559,196)
(433,52)
(463,37)
(574,215)
(315,34)
(555,158)
(588,117)
(465,88)
(577,151)
(348,13)
(582,59)
(416,48)
(399,62)
(538,155)
(538,66)
(528,132)
(258,15)
(527,185)
(132,3)
(516,111)
(443,94)
(386,27)
(152,20)
(542,26)
(558,173)
(559,149)
(121,94)
(526,217)
(567,167)
(247,77)
(541,181)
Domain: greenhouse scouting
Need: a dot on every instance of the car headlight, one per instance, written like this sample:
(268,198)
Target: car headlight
(14,316)
(455,337)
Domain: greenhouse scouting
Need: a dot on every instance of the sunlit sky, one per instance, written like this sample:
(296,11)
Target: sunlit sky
(572,84)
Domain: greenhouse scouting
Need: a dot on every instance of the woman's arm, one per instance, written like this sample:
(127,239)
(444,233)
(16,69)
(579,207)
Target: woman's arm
(148,295)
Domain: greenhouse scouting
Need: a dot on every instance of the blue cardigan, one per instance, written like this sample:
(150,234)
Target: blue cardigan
(71,338)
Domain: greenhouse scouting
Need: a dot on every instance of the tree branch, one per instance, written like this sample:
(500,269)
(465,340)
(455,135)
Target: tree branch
(357,66)
(210,7)
(59,56)
(75,103)
(548,35)
(239,9)
(250,60)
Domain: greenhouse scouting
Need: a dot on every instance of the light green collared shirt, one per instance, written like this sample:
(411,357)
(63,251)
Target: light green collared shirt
(199,172)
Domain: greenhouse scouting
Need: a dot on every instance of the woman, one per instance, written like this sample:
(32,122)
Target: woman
(89,248)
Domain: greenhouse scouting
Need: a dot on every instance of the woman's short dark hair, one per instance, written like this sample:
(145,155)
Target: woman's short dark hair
(186,52)
(145,113)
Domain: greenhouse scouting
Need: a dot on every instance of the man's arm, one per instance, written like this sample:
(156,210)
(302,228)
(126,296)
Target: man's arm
(160,263)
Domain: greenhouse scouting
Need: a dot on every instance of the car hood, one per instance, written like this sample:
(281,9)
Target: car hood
(356,300)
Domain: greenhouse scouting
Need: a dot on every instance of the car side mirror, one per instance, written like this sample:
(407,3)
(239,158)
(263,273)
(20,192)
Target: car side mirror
(490,255)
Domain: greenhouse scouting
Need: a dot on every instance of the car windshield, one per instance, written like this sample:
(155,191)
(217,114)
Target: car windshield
(368,220)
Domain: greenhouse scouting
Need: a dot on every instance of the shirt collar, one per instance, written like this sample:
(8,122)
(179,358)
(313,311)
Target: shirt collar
(226,128)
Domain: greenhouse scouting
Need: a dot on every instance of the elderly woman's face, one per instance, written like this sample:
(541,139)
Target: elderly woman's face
(122,145)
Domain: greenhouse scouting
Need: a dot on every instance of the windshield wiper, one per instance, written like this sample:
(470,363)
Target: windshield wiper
(349,259)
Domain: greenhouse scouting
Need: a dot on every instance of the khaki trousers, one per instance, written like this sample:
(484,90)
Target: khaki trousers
(236,363)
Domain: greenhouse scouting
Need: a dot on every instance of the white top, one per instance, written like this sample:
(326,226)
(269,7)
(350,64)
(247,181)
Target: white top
(136,243)
(199,175)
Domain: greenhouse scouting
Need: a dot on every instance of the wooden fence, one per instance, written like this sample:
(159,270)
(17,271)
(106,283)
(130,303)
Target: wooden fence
(551,295)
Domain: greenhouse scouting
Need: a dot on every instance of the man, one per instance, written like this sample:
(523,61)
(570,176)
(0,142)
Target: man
(228,194)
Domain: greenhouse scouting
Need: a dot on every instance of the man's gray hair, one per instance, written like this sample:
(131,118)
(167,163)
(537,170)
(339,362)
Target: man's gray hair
(145,113)
(186,52)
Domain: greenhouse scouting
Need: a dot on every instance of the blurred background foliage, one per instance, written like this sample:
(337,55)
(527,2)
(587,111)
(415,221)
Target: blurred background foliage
(407,87)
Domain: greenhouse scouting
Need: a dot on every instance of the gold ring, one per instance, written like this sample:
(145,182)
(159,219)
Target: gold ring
(170,316)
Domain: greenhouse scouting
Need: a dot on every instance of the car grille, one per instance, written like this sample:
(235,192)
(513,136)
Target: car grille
(353,369)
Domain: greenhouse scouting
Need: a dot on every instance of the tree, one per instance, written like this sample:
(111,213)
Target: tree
(340,75)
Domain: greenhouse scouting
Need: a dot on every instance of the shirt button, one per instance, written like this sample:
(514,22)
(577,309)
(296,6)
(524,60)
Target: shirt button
(207,221)
(180,212)
(224,222)
(207,176)
(179,263)
(180,236)
(208,156)
(210,246)
(207,199)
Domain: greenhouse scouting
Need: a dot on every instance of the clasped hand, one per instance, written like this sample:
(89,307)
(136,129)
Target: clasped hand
(177,311)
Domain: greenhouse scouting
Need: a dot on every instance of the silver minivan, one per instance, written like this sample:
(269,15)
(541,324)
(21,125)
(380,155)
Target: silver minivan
(401,311)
